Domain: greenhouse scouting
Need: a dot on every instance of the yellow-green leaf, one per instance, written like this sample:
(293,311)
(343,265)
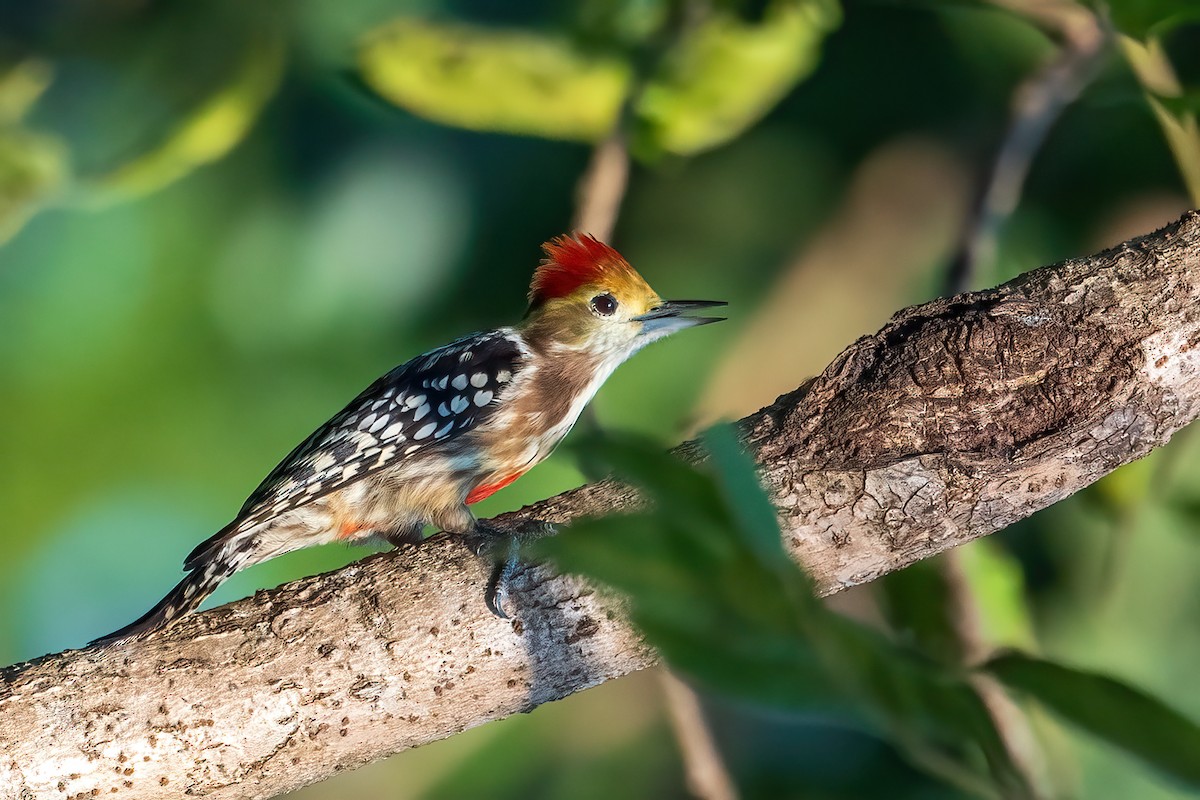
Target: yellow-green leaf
(719,79)
(728,73)
(998,583)
(21,85)
(495,80)
(33,166)
(211,130)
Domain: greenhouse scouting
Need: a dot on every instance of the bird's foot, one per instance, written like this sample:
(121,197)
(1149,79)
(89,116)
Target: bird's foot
(503,545)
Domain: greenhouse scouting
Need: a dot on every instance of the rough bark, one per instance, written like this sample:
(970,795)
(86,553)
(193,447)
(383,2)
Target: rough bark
(958,418)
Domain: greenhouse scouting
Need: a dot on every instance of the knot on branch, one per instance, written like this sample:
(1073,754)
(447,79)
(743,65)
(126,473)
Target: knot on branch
(980,376)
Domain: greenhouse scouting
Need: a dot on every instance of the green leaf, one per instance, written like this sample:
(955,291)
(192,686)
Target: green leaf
(927,708)
(1181,106)
(33,168)
(727,73)
(743,496)
(1111,710)
(209,131)
(33,165)
(495,80)
(920,606)
(21,85)
(1142,19)
(917,603)
(997,579)
(721,77)
(725,606)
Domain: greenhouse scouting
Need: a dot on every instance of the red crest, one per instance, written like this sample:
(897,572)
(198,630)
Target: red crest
(571,262)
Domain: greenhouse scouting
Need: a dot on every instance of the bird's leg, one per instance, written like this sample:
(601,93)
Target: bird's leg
(503,544)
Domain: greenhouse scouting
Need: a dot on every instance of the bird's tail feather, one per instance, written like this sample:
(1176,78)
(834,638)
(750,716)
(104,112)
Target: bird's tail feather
(207,573)
(187,595)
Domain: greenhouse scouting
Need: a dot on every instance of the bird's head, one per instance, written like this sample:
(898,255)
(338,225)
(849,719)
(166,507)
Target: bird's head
(585,296)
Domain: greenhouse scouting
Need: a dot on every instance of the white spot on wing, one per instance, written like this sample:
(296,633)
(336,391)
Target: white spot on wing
(459,404)
(443,410)
(392,430)
(442,431)
(503,376)
(421,412)
(479,380)
(459,382)
(379,423)
(483,398)
(386,455)
(425,431)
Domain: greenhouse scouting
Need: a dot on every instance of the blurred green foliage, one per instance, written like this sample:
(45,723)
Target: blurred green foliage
(712,588)
(1141,28)
(515,82)
(32,165)
(1143,19)
(709,583)
(721,75)
(1111,710)
(222,219)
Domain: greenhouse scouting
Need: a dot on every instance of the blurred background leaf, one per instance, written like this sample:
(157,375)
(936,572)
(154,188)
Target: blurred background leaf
(32,164)
(709,583)
(724,74)
(1143,19)
(728,72)
(32,169)
(507,81)
(209,131)
(1111,710)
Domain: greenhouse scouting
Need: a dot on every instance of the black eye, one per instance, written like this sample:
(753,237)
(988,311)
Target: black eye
(604,304)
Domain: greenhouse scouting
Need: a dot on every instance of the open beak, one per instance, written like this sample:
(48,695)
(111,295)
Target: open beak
(667,318)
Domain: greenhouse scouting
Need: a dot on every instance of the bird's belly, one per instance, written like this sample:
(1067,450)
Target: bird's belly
(391,499)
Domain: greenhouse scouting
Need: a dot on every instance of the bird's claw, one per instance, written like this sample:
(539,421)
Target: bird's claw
(496,594)
(488,539)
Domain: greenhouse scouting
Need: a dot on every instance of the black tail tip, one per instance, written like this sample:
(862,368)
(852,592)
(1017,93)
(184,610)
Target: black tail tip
(138,629)
(184,598)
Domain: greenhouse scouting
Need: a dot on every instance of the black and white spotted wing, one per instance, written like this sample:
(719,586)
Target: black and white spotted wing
(435,396)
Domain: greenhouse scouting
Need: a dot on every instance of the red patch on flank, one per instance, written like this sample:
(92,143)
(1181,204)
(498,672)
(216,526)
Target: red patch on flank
(350,529)
(487,490)
(571,262)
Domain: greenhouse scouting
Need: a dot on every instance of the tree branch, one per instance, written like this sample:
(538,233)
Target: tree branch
(958,418)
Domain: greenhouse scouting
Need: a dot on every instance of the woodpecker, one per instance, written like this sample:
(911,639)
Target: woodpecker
(446,429)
